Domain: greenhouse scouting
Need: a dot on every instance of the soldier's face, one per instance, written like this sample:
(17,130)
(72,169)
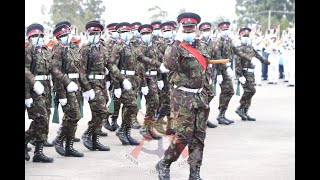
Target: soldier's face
(189,29)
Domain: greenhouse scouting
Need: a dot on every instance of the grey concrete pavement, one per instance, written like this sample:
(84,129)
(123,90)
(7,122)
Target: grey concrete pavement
(261,150)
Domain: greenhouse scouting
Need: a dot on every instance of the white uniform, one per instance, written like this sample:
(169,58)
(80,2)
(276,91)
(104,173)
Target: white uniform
(258,65)
(274,59)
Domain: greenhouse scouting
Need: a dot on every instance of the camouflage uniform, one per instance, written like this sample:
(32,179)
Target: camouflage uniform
(38,60)
(94,59)
(244,68)
(126,57)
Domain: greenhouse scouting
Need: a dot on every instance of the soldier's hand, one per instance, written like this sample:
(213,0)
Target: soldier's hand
(127,84)
(230,72)
(179,35)
(72,87)
(160,84)
(117,92)
(38,88)
(92,94)
(219,79)
(163,69)
(267,63)
(145,90)
(86,95)
(108,84)
(106,71)
(242,80)
(28,102)
(63,102)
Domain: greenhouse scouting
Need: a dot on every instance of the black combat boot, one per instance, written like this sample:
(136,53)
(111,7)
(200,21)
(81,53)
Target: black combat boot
(59,144)
(114,125)
(194,173)
(221,119)
(75,139)
(121,133)
(29,149)
(211,125)
(103,133)
(70,151)
(224,115)
(145,133)
(38,154)
(130,139)
(96,145)
(135,124)
(170,130)
(163,170)
(26,154)
(248,117)
(240,112)
(86,138)
(47,144)
(107,125)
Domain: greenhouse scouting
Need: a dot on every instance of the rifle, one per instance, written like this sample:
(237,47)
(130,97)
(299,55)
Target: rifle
(64,60)
(238,89)
(55,118)
(89,61)
(33,63)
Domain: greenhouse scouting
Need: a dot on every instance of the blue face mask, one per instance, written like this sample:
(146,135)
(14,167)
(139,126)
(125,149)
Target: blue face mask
(245,40)
(189,37)
(65,40)
(156,32)
(167,34)
(125,36)
(225,33)
(136,33)
(206,34)
(146,38)
(115,35)
(36,42)
(94,39)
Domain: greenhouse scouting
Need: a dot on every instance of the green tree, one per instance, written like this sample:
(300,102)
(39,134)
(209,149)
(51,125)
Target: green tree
(158,14)
(78,12)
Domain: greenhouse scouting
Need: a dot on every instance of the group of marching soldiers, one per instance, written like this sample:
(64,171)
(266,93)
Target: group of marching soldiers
(164,62)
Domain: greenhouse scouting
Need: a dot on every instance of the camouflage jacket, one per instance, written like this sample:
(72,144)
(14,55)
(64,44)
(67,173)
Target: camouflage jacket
(131,56)
(187,70)
(70,59)
(109,43)
(141,76)
(100,58)
(43,65)
(162,46)
(245,62)
(151,51)
(29,82)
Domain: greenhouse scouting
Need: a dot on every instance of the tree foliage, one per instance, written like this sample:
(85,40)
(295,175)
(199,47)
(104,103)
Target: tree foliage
(157,14)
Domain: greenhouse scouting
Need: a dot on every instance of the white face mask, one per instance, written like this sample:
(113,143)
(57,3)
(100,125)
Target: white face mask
(167,34)
(125,36)
(37,42)
(225,33)
(156,32)
(146,38)
(66,40)
(206,34)
(93,39)
(189,37)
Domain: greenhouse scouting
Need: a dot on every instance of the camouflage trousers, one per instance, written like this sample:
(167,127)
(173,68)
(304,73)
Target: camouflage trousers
(117,105)
(208,92)
(71,114)
(48,96)
(99,109)
(248,90)
(164,99)
(129,100)
(152,98)
(189,110)
(39,127)
(226,93)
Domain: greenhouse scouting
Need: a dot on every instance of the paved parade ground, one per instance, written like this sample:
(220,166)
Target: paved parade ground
(261,150)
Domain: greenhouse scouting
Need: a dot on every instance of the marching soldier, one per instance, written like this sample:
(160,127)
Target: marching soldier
(111,41)
(189,105)
(156,32)
(245,72)
(164,86)
(94,60)
(126,56)
(206,42)
(38,60)
(67,60)
(150,91)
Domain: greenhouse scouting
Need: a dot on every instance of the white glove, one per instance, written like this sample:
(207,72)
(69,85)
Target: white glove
(86,95)
(28,102)
(179,35)
(145,90)
(127,84)
(254,59)
(163,69)
(242,80)
(160,84)
(63,102)
(219,79)
(106,71)
(237,42)
(72,87)
(230,72)
(92,94)
(38,88)
(108,84)
(210,81)
(117,92)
